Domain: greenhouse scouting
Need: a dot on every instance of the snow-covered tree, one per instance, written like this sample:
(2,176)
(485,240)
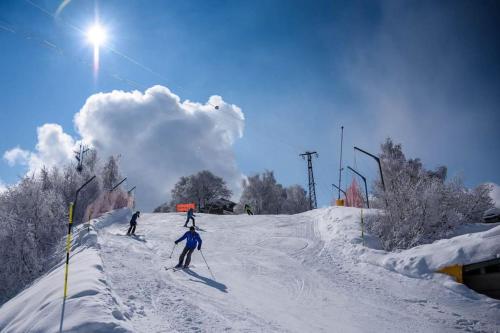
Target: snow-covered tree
(34,219)
(418,205)
(296,200)
(266,196)
(200,188)
(110,173)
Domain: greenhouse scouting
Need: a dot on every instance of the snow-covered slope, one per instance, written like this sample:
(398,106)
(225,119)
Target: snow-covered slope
(302,273)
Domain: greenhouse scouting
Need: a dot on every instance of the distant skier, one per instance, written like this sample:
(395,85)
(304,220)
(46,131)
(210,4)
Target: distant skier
(133,223)
(190,216)
(192,240)
(248,210)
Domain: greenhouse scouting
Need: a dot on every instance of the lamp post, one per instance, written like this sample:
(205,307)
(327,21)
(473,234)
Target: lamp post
(378,161)
(364,180)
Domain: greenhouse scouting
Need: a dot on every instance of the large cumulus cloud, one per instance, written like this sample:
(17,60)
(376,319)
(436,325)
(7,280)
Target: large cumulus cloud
(159,138)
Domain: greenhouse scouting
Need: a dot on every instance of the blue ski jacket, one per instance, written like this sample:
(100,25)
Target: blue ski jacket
(193,238)
(190,212)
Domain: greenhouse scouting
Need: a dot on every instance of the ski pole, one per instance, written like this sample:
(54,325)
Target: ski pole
(172,251)
(213,277)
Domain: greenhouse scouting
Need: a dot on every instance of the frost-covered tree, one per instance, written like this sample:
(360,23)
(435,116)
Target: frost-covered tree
(266,196)
(418,205)
(200,188)
(32,220)
(296,200)
(110,173)
(34,217)
(263,193)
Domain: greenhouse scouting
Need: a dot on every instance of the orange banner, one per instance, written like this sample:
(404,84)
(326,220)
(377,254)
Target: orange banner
(184,207)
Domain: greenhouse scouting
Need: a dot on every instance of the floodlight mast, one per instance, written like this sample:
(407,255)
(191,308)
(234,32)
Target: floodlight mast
(366,186)
(340,167)
(378,161)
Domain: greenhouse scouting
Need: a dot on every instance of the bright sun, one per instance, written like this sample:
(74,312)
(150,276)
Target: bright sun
(96,35)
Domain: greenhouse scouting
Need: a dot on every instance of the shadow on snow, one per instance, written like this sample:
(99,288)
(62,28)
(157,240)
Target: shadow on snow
(209,282)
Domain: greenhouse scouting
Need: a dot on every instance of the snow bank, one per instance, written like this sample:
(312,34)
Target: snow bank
(90,305)
(344,224)
(425,259)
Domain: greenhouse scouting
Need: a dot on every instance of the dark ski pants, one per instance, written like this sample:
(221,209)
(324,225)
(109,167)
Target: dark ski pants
(131,230)
(187,251)
(187,220)
(249,212)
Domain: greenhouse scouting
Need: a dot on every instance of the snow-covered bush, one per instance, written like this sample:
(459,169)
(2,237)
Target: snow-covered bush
(266,196)
(418,205)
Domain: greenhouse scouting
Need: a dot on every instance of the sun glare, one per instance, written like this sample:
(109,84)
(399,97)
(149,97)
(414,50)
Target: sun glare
(96,35)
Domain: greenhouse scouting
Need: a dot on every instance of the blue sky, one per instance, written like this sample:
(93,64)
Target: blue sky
(425,73)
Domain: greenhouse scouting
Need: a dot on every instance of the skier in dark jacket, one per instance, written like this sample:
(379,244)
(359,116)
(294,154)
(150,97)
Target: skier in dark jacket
(190,216)
(192,240)
(248,210)
(133,223)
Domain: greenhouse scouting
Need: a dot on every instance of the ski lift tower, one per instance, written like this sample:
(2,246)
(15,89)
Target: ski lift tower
(312,185)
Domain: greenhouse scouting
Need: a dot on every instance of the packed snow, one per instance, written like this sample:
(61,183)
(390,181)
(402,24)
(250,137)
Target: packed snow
(310,272)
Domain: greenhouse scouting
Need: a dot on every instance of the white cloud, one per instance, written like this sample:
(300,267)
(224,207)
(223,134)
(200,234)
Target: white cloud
(54,147)
(158,137)
(17,156)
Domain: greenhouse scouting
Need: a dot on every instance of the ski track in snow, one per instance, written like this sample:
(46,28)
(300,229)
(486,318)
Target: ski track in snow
(273,274)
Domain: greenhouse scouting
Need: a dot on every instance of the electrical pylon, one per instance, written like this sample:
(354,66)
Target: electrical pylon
(312,185)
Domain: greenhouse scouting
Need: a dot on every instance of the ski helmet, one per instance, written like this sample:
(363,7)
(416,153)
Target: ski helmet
(191,228)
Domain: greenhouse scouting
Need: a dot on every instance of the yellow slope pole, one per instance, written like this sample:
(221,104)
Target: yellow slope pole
(72,207)
(68,247)
(66,269)
(362,227)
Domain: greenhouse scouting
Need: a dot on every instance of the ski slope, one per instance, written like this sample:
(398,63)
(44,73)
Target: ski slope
(301,273)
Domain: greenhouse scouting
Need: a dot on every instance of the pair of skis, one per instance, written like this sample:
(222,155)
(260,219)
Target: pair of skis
(175,268)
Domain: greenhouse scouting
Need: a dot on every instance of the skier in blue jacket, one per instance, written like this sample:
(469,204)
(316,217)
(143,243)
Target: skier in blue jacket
(190,215)
(192,240)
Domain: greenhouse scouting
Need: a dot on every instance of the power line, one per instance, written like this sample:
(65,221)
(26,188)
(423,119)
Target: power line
(109,47)
(29,36)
